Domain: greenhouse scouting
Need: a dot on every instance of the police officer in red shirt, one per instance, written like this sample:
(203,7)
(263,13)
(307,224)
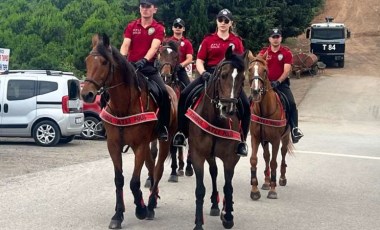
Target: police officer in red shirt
(142,39)
(280,59)
(185,49)
(211,52)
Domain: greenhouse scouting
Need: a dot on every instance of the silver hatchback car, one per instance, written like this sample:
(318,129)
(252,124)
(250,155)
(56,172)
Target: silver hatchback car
(42,104)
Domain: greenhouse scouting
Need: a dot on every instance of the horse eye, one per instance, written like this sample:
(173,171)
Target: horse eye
(104,62)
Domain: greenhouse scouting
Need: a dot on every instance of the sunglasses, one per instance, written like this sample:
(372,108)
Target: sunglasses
(178,26)
(225,20)
(276,36)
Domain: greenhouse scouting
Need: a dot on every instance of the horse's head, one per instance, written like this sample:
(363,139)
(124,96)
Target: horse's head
(257,74)
(100,66)
(168,59)
(229,80)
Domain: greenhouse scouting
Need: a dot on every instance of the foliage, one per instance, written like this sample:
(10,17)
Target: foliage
(56,34)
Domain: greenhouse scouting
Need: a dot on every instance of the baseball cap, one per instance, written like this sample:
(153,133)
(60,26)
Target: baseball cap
(179,21)
(225,13)
(149,2)
(274,32)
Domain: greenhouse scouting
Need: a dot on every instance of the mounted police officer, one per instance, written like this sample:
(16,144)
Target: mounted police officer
(142,39)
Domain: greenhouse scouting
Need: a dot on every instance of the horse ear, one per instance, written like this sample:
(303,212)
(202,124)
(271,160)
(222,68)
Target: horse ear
(95,40)
(229,52)
(247,57)
(106,40)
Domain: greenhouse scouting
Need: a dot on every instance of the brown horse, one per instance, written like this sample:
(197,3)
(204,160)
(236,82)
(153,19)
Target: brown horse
(129,119)
(215,132)
(268,125)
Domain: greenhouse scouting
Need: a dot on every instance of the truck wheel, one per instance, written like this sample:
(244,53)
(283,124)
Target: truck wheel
(341,64)
(46,133)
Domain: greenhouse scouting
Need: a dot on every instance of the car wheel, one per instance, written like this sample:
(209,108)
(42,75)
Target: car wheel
(46,133)
(65,140)
(89,130)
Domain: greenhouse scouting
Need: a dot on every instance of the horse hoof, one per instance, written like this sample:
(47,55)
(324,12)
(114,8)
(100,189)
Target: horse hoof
(150,215)
(265,187)
(189,172)
(198,227)
(255,195)
(141,212)
(214,212)
(147,183)
(272,195)
(180,173)
(227,224)
(282,182)
(115,224)
(173,178)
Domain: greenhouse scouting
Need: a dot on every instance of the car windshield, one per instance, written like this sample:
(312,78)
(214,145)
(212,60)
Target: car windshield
(327,33)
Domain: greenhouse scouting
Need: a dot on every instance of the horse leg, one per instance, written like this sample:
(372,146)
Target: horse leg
(255,192)
(115,153)
(215,211)
(200,190)
(284,150)
(266,155)
(158,171)
(226,214)
(153,152)
(272,194)
(173,175)
(189,169)
(141,153)
(181,163)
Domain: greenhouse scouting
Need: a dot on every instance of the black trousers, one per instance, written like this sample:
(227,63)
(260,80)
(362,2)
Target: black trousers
(182,76)
(164,105)
(182,108)
(284,87)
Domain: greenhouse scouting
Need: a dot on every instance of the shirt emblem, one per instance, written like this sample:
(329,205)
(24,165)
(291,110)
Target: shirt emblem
(280,57)
(151,31)
(215,46)
(182,43)
(233,46)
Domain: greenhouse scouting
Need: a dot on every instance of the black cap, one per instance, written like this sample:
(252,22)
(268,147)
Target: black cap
(225,13)
(149,2)
(179,21)
(274,32)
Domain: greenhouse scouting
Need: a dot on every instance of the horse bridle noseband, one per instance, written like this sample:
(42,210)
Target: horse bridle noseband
(262,90)
(172,69)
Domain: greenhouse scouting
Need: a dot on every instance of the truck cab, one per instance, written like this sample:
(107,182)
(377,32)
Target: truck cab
(328,40)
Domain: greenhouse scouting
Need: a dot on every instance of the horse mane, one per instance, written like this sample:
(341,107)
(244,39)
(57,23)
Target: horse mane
(237,61)
(172,44)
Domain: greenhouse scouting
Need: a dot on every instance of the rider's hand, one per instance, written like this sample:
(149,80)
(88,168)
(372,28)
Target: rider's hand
(206,75)
(141,63)
(179,67)
(275,84)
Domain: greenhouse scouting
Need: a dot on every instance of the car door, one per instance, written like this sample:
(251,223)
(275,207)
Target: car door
(19,105)
(2,95)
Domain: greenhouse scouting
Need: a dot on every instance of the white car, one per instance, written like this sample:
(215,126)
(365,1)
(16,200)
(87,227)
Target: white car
(42,104)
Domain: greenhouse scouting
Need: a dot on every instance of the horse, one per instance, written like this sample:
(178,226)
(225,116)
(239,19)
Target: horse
(214,131)
(130,112)
(268,125)
(167,61)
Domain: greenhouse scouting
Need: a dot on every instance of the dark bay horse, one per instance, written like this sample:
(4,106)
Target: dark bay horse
(129,119)
(268,125)
(168,60)
(215,131)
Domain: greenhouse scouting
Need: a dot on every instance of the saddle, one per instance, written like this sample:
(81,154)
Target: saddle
(285,103)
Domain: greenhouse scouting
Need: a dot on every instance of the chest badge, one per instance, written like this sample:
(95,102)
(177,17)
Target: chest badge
(233,46)
(151,31)
(182,43)
(280,57)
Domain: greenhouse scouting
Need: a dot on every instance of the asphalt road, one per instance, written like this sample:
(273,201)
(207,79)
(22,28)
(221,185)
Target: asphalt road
(332,177)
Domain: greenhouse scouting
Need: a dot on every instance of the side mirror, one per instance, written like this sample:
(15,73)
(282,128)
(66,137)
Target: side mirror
(308,33)
(348,33)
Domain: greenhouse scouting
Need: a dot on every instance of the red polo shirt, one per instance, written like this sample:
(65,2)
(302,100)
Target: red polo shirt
(185,47)
(213,48)
(141,38)
(276,61)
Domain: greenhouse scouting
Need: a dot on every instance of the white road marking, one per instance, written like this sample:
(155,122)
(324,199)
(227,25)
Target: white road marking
(339,155)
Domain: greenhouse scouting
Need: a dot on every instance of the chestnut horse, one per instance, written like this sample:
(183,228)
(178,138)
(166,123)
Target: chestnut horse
(129,119)
(215,132)
(268,125)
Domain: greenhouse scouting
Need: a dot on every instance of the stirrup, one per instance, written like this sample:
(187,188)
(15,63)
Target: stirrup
(163,134)
(298,131)
(179,140)
(242,149)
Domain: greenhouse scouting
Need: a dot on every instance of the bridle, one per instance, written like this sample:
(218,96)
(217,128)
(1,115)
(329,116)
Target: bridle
(262,90)
(162,65)
(102,87)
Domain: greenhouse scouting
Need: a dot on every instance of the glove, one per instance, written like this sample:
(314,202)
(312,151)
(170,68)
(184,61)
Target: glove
(206,75)
(179,67)
(141,63)
(275,84)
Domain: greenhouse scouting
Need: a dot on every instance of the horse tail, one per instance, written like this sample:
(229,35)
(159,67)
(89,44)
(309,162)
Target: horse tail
(290,147)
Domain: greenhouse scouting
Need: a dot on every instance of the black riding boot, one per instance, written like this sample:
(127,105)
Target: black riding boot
(242,148)
(296,132)
(180,138)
